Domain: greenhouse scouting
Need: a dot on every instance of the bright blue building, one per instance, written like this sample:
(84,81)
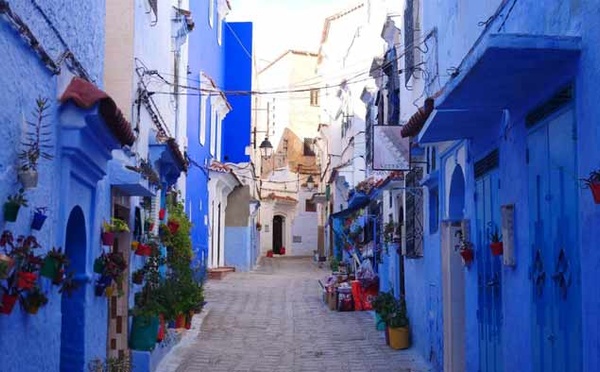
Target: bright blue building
(220,60)
(511,134)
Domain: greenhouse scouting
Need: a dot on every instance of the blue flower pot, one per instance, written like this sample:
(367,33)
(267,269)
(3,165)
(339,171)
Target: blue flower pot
(38,221)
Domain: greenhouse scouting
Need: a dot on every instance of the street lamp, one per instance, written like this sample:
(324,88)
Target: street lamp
(310,183)
(266,148)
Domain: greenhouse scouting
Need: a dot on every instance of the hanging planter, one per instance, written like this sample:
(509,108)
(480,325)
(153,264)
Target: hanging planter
(108,237)
(593,183)
(173,226)
(467,255)
(28,178)
(161,214)
(135,244)
(497,248)
(34,300)
(143,250)
(13,204)
(50,267)
(101,285)
(464,248)
(137,277)
(26,280)
(39,217)
(8,303)
(595,187)
(99,264)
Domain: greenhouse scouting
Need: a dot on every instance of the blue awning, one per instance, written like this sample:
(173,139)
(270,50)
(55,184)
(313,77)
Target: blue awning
(504,71)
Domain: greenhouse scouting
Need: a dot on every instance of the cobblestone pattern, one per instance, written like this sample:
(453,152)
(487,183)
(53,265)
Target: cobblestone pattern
(273,319)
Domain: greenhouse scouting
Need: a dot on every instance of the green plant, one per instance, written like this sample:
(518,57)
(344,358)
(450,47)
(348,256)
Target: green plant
(58,255)
(389,229)
(116,225)
(120,364)
(494,235)
(37,141)
(334,264)
(68,285)
(398,316)
(34,298)
(18,199)
(383,304)
(593,178)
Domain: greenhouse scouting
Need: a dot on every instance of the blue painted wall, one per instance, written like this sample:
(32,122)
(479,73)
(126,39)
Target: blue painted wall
(457,31)
(238,76)
(237,247)
(32,342)
(205,55)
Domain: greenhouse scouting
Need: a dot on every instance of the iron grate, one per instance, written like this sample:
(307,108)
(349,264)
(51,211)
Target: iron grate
(563,97)
(489,162)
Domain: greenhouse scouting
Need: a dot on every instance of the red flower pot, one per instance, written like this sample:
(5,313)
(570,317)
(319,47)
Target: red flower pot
(173,226)
(8,303)
(282,250)
(188,320)
(161,328)
(26,280)
(143,250)
(108,238)
(269,253)
(180,321)
(467,255)
(497,248)
(161,213)
(595,187)
(151,227)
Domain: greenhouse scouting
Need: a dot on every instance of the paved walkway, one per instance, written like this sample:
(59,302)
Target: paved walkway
(273,319)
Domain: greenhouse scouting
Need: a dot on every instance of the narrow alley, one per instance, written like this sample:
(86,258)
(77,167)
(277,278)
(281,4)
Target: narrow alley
(273,319)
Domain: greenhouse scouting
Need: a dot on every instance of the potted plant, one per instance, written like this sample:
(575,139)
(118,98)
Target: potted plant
(382,304)
(116,225)
(496,242)
(36,145)
(33,300)
(9,298)
(138,276)
(149,224)
(464,248)
(54,262)
(397,322)
(68,285)
(593,183)
(146,311)
(258,226)
(13,204)
(144,250)
(39,217)
(161,214)
(173,225)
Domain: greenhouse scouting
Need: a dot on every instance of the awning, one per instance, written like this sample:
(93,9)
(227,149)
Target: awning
(504,71)
(128,181)
(85,95)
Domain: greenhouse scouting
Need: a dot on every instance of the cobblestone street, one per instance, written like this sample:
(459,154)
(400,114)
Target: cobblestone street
(273,319)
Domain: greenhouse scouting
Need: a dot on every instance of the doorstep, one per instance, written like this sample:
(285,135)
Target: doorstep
(220,272)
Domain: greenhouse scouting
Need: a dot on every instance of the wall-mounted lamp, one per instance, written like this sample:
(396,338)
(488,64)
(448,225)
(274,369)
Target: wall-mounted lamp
(310,183)
(266,149)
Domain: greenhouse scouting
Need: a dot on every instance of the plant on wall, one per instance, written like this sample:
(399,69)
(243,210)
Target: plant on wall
(464,248)
(593,183)
(37,144)
(13,204)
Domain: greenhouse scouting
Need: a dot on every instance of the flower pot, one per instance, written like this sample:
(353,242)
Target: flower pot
(8,303)
(282,251)
(99,290)
(135,244)
(188,320)
(108,292)
(399,338)
(379,322)
(595,187)
(11,211)
(26,280)
(161,328)
(143,250)
(269,253)
(144,330)
(173,226)
(99,265)
(180,321)
(101,285)
(108,238)
(28,178)
(161,214)
(497,248)
(38,221)
(467,255)
(50,267)
(6,265)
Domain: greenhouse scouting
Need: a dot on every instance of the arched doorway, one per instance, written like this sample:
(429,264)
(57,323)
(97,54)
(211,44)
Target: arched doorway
(72,336)
(278,233)
(454,276)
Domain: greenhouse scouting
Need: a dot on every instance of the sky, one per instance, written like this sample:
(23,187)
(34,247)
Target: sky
(280,25)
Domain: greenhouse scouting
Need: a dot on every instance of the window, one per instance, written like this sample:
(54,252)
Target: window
(219,133)
(308,147)
(211,12)
(202,129)
(314,97)
(434,202)
(310,206)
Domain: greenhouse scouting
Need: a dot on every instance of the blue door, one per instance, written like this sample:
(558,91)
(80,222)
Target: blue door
(489,277)
(554,272)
